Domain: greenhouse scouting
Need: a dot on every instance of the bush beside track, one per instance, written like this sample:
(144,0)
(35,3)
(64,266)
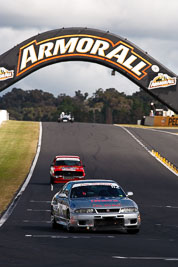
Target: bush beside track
(18,144)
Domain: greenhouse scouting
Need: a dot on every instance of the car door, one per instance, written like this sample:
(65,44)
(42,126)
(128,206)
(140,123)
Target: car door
(65,201)
(60,202)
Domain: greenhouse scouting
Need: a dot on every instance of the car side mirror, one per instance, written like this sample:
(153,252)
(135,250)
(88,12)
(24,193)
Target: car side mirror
(129,194)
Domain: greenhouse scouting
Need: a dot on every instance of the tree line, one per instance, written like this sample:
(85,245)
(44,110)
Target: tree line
(104,106)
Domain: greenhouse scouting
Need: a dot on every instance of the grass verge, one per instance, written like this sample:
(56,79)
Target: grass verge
(18,144)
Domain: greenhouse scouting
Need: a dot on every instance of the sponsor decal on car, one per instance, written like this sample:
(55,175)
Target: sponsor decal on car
(93,184)
(105,205)
(120,54)
(68,169)
(104,200)
(162,80)
(6,74)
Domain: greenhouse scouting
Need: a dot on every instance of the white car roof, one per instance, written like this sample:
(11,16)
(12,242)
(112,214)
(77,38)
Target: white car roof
(74,159)
(66,157)
(95,181)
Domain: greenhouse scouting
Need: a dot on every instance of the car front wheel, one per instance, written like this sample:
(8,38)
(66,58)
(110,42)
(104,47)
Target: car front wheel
(69,228)
(51,180)
(53,221)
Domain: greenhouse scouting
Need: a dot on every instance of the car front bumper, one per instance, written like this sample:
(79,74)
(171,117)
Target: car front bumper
(65,179)
(106,221)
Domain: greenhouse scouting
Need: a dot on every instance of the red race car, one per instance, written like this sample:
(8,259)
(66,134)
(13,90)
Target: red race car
(66,168)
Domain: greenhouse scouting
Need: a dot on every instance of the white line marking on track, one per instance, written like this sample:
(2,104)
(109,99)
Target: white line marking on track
(51,187)
(38,210)
(154,130)
(29,221)
(166,225)
(136,139)
(140,143)
(22,189)
(40,201)
(171,207)
(156,206)
(66,236)
(146,258)
(168,207)
(163,163)
(87,237)
(47,236)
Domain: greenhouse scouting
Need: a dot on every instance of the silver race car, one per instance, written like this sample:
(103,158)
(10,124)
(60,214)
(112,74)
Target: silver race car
(94,204)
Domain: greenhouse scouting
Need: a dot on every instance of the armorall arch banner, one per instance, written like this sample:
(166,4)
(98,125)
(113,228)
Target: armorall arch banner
(84,44)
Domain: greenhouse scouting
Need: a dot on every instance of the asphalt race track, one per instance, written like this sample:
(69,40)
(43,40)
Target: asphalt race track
(109,152)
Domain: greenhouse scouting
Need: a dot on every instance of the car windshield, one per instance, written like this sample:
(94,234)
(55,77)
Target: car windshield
(67,163)
(97,191)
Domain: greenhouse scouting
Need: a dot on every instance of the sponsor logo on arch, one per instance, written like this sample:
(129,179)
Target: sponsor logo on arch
(162,80)
(6,74)
(120,54)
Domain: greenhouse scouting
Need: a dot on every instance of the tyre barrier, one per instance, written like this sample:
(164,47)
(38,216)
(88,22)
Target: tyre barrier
(165,162)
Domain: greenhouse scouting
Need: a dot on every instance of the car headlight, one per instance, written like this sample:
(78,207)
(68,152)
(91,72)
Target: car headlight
(128,210)
(84,211)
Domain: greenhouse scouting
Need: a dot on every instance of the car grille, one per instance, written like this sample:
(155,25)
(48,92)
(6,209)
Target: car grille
(107,210)
(109,221)
(68,173)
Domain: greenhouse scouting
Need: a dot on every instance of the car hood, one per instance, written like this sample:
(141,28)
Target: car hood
(102,203)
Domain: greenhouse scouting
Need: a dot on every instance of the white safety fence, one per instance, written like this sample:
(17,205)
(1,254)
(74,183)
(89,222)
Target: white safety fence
(4,116)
